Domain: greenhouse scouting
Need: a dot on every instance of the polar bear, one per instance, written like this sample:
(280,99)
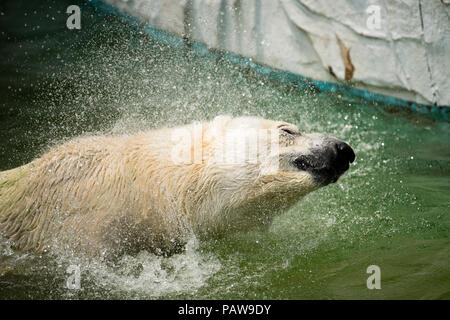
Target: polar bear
(110,195)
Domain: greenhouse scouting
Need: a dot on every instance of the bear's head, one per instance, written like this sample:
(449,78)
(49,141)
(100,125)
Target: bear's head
(278,149)
(261,165)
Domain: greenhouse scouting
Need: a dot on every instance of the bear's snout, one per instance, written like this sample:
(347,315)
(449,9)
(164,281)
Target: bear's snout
(328,163)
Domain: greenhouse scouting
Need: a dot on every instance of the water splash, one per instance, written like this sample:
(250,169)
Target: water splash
(147,276)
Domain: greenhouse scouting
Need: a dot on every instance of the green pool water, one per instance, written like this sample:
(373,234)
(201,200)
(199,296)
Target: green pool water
(391,209)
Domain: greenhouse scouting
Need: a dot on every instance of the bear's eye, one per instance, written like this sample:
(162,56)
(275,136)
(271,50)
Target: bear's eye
(290,131)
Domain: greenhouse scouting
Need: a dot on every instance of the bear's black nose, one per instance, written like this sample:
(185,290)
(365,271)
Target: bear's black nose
(329,162)
(344,152)
(344,156)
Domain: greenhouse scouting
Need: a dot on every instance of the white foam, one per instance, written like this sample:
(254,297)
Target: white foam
(147,275)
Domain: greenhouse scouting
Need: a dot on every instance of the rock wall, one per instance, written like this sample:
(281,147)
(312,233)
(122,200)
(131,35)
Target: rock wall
(399,48)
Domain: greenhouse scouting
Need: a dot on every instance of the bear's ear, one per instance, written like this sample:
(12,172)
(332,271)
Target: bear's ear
(221,120)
